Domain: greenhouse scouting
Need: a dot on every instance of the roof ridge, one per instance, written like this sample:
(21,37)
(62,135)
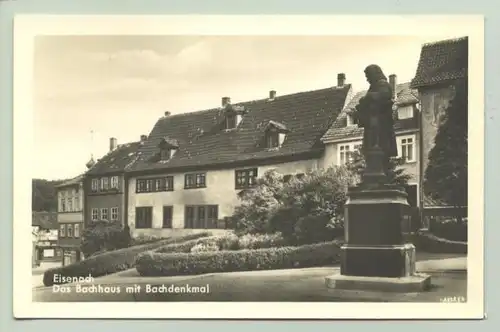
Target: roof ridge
(445,41)
(345,86)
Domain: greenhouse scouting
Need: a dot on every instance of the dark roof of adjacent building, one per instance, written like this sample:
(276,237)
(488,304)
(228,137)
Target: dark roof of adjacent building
(340,131)
(203,141)
(442,61)
(44,220)
(71,182)
(117,160)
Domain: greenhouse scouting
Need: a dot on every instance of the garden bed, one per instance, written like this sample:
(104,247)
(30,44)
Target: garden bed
(153,263)
(111,261)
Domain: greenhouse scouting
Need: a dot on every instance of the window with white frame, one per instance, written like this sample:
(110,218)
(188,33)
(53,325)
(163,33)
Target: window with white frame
(114,213)
(63,205)
(104,183)
(114,182)
(104,214)
(95,214)
(95,184)
(77,203)
(405,112)
(345,152)
(406,148)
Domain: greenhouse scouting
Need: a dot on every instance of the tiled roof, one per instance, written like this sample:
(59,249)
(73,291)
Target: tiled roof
(339,130)
(74,181)
(117,160)
(44,220)
(203,141)
(442,61)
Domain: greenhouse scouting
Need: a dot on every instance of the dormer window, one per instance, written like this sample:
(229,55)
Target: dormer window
(405,112)
(233,115)
(168,147)
(275,134)
(351,120)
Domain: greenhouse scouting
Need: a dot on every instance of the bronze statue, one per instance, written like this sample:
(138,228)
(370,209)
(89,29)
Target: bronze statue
(374,114)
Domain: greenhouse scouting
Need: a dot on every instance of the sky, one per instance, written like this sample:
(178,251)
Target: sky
(90,88)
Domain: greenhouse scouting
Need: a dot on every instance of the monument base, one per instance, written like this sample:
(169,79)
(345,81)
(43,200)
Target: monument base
(411,284)
(391,261)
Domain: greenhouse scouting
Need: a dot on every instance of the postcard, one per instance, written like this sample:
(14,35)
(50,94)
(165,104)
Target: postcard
(248,167)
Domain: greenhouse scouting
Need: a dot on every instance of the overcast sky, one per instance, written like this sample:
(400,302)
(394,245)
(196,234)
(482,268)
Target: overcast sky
(118,86)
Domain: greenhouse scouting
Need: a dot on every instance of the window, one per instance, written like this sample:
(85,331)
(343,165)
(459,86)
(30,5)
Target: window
(95,214)
(195,180)
(69,231)
(63,205)
(406,148)
(62,230)
(272,139)
(95,184)
(155,185)
(104,214)
(231,121)
(77,202)
(114,213)
(143,217)
(165,154)
(201,217)
(167,216)
(245,178)
(70,204)
(104,183)
(351,121)
(114,182)
(77,230)
(405,112)
(345,152)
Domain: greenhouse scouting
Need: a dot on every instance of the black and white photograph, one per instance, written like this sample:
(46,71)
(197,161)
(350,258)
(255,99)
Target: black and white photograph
(249,167)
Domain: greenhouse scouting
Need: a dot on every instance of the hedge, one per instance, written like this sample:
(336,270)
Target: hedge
(449,229)
(111,261)
(171,264)
(428,242)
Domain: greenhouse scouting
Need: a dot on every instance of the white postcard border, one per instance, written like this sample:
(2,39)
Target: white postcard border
(26,27)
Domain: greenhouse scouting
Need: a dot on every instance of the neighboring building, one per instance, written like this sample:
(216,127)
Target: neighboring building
(70,219)
(442,64)
(193,165)
(105,185)
(345,137)
(44,228)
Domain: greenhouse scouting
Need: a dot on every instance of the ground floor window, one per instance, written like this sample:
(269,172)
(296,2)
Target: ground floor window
(144,217)
(167,216)
(201,216)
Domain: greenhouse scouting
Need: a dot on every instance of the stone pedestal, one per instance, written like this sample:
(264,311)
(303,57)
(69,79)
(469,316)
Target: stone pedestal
(375,256)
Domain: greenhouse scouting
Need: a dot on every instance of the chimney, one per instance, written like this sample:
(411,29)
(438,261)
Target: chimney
(112,143)
(226,101)
(272,94)
(393,81)
(340,80)
(167,113)
(144,138)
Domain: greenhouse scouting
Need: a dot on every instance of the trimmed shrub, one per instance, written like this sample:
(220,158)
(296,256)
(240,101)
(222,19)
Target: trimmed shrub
(223,242)
(449,229)
(171,264)
(427,242)
(110,262)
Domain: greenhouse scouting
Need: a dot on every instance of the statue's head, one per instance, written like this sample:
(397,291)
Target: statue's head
(374,73)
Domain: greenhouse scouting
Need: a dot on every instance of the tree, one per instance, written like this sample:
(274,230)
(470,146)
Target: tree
(101,236)
(396,175)
(446,174)
(44,195)
(304,209)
